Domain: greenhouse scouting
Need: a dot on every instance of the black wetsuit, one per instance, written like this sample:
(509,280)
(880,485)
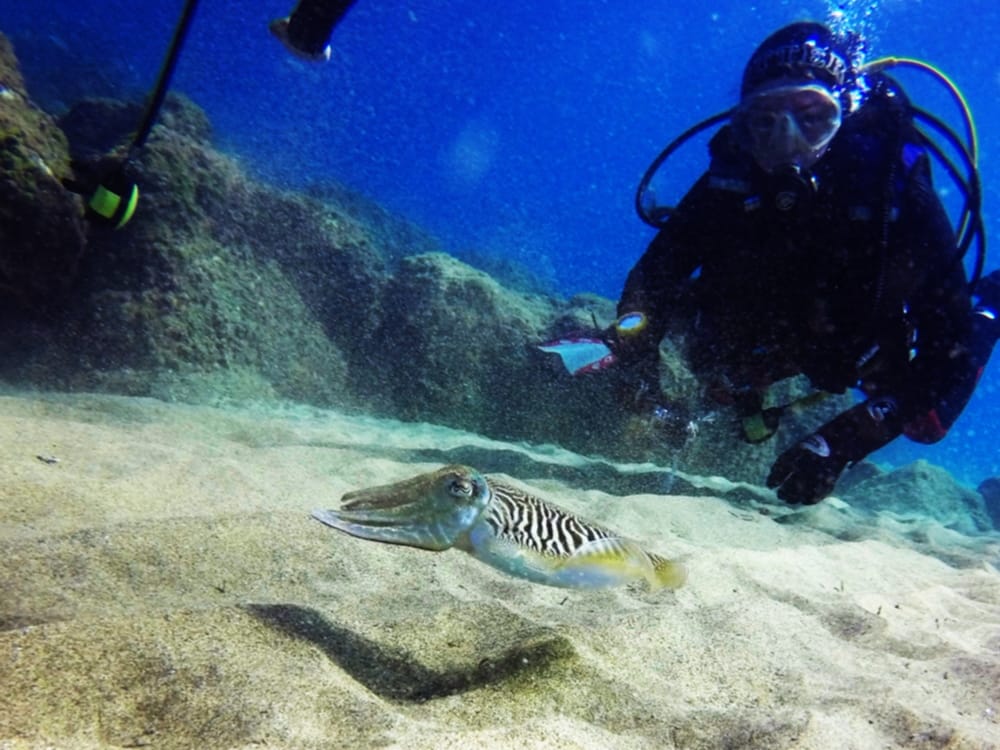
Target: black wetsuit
(846,275)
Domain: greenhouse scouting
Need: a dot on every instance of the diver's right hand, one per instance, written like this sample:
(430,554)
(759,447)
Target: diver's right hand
(807,472)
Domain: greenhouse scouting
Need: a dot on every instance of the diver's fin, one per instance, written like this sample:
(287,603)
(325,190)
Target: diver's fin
(580,354)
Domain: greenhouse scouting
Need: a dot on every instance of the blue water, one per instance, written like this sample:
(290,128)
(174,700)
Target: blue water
(517,129)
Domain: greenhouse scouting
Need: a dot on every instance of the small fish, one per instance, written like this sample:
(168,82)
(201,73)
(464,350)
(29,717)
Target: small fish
(502,526)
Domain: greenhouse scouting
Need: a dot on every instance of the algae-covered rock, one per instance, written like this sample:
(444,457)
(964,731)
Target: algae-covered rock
(42,237)
(453,342)
(328,255)
(98,126)
(921,490)
(990,490)
(227,325)
(248,275)
(217,284)
(456,347)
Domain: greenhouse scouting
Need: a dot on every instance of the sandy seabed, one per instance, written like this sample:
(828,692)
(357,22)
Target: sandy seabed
(162,585)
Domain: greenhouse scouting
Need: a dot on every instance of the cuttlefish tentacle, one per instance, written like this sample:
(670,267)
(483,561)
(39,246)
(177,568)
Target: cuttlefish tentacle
(501,526)
(431,511)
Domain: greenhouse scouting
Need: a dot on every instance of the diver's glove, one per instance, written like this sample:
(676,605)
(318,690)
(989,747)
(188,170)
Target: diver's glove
(807,472)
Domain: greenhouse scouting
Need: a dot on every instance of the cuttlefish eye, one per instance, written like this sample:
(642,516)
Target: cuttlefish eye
(461,487)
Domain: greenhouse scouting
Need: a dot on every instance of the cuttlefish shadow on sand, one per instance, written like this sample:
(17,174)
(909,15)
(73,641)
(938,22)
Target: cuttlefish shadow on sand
(457,507)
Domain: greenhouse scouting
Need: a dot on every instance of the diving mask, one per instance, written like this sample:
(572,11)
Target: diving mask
(789,126)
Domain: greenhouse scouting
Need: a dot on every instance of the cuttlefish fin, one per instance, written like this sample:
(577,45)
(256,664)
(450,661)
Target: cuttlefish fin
(613,561)
(667,574)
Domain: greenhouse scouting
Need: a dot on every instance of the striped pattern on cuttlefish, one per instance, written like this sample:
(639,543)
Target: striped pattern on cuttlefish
(502,526)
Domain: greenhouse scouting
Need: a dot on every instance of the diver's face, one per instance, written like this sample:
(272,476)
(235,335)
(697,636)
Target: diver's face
(789,127)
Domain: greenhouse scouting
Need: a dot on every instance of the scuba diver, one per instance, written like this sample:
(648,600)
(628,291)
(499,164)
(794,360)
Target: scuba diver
(814,244)
(306,32)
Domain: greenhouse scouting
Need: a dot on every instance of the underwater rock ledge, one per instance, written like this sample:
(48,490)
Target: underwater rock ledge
(225,289)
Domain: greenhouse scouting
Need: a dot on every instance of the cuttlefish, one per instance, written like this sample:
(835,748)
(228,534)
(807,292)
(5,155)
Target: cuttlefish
(456,507)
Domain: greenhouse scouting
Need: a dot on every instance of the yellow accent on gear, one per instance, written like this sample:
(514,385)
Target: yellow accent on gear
(107,203)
